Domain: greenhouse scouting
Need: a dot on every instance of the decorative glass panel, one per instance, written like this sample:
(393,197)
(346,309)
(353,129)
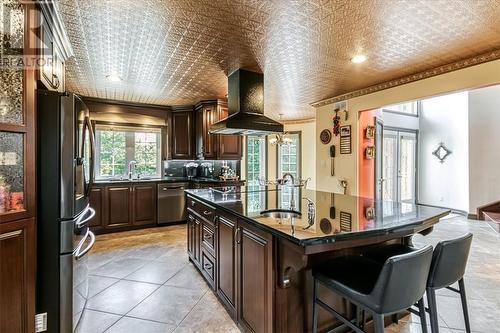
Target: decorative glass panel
(11,71)
(11,171)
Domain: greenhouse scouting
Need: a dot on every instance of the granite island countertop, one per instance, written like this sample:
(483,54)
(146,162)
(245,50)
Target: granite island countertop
(351,218)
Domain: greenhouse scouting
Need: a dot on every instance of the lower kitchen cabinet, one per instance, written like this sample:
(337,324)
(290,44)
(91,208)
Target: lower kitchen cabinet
(144,204)
(226,264)
(254,276)
(96,201)
(118,206)
(17,276)
(124,206)
(194,238)
(239,268)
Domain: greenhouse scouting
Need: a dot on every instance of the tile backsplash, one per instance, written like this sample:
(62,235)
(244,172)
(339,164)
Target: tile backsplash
(175,168)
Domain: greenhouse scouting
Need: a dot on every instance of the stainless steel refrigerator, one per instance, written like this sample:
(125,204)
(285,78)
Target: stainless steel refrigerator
(65,151)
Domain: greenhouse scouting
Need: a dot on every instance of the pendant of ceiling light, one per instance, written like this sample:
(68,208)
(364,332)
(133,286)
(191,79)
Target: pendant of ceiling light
(280,139)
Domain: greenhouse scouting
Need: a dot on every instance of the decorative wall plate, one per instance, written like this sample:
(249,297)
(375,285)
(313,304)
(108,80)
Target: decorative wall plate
(325,136)
(441,152)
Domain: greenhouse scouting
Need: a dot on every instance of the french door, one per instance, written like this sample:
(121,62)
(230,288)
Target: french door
(399,165)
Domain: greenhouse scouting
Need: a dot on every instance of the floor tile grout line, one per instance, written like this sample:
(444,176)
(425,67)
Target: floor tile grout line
(180,323)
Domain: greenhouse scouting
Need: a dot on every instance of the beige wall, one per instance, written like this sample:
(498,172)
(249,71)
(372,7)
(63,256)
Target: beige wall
(346,165)
(484,154)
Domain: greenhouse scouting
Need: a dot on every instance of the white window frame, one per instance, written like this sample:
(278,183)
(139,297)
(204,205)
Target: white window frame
(130,145)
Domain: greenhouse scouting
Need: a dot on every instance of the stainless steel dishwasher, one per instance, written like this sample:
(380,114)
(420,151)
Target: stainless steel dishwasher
(171,202)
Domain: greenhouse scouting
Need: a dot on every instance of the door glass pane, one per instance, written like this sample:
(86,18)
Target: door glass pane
(389,167)
(11,73)
(11,171)
(407,168)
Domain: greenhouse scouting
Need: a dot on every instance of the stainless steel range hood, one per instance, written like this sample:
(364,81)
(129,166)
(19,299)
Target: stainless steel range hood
(246,107)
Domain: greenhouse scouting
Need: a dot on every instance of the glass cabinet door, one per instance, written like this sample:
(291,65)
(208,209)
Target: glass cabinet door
(16,119)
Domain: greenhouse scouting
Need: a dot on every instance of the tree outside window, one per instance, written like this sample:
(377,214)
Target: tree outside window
(116,146)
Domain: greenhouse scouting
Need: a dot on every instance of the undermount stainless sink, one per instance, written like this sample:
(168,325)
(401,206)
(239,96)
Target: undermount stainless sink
(280,213)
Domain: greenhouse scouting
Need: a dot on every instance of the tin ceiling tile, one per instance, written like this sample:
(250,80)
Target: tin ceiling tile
(181,51)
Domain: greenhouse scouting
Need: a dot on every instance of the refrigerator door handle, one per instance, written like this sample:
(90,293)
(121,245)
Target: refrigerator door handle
(92,154)
(84,219)
(80,254)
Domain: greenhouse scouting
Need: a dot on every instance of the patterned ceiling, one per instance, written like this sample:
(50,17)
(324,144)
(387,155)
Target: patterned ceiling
(181,51)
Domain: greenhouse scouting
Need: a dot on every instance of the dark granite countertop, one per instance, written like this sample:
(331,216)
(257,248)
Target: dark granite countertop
(164,180)
(350,220)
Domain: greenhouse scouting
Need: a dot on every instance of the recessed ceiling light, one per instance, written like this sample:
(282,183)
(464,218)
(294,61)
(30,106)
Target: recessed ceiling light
(113,78)
(357,59)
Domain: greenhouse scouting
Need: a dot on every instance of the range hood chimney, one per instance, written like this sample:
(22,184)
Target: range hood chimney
(246,107)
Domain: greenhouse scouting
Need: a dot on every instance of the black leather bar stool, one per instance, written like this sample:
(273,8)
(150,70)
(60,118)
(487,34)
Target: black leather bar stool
(381,289)
(448,266)
(449,261)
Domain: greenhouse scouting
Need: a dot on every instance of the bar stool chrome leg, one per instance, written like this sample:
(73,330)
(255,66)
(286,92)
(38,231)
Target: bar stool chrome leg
(461,286)
(378,323)
(421,310)
(315,307)
(431,300)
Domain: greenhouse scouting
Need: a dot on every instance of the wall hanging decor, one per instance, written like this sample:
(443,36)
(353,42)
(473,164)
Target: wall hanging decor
(370,213)
(332,155)
(325,136)
(370,152)
(336,122)
(345,221)
(370,132)
(441,152)
(345,139)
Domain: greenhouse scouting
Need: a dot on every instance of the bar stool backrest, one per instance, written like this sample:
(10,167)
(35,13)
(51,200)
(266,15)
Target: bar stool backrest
(449,261)
(402,281)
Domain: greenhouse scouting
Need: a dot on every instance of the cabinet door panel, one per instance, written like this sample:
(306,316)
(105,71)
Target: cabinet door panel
(226,261)
(96,200)
(197,241)
(144,204)
(182,135)
(190,235)
(17,276)
(209,140)
(118,204)
(230,147)
(255,280)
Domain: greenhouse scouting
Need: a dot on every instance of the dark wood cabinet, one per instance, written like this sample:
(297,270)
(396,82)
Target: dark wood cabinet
(206,144)
(236,259)
(144,204)
(226,264)
(17,276)
(194,238)
(182,135)
(254,278)
(230,147)
(123,206)
(96,201)
(213,146)
(118,205)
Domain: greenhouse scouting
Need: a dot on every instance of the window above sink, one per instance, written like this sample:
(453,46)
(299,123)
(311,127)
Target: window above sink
(118,145)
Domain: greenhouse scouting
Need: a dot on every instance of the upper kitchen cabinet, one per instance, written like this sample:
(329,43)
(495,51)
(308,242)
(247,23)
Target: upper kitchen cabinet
(230,147)
(55,49)
(17,110)
(181,132)
(206,115)
(214,146)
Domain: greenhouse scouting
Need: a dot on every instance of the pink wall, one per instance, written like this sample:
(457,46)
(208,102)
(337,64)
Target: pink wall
(366,175)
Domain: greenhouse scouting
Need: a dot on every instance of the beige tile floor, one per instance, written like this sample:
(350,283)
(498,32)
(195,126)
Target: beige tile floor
(142,281)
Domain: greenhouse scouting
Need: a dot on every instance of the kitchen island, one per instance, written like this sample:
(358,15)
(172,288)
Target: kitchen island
(260,266)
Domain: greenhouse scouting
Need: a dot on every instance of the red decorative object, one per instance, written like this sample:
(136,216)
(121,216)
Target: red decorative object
(336,122)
